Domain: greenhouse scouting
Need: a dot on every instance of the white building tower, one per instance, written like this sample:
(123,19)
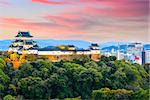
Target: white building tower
(23,44)
(95,52)
(118,52)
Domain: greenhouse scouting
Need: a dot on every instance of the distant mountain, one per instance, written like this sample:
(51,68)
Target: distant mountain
(111,43)
(78,43)
(122,47)
(4,44)
(109,48)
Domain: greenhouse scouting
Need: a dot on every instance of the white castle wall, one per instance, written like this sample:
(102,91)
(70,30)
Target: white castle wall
(83,52)
(68,52)
(29,52)
(55,52)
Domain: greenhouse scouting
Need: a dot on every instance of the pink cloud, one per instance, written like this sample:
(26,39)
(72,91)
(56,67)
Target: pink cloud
(85,19)
(5,4)
(12,20)
(115,8)
(65,20)
(17,23)
(121,8)
(48,29)
(50,2)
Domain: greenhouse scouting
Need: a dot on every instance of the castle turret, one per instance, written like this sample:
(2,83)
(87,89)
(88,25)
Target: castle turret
(71,47)
(95,52)
(23,43)
(23,35)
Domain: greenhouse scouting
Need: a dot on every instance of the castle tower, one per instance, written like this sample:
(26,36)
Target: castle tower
(22,43)
(95,52)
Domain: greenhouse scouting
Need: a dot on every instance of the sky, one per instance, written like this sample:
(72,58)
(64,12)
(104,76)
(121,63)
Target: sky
(90,20)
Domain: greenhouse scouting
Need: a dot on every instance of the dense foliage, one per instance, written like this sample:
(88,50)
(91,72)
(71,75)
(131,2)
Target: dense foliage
(107,79)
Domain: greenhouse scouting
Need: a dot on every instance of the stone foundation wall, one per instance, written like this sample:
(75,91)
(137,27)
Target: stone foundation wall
(56,58)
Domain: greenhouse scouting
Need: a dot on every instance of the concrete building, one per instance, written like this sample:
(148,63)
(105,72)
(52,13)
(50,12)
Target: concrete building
(134,49)
(145,56)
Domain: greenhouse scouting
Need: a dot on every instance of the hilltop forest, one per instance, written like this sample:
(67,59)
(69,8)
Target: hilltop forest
(80,78)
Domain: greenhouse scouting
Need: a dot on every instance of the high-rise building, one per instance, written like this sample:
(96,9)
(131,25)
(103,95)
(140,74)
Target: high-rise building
(135,48)
(134,52)
(143,57)
(146,56)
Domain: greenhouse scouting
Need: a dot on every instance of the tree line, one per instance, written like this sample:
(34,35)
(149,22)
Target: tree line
(81,78)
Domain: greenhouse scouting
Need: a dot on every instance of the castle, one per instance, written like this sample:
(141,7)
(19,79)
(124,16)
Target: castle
(25,45)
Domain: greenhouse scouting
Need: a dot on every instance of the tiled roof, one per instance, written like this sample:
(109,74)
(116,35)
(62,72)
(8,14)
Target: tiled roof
(83,50)
(94,44)
(28,43)
(71,46)
(23,34)
(32,48)
(36,46)
(47,49)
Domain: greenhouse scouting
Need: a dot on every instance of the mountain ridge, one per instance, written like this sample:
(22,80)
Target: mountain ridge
(4,44)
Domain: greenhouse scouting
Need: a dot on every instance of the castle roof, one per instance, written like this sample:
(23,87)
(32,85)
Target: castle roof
(18,41)
(36,46)
(28,43)
(23,34)
(71,46)
(94,44)
(82,50)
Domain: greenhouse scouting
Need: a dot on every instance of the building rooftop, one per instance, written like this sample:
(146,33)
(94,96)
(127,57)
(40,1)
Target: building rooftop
(71,46)
(94,44)
(28,43)
(23,34)
(18,41)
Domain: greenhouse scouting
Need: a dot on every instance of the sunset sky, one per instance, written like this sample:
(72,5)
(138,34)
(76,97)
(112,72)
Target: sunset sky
(90,20)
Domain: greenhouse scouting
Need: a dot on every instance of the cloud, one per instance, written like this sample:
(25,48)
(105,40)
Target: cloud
(121,8)
(39,29)
(65,21)
(117,8)
(49,2)
(95,20)
(5,3)
(12,20)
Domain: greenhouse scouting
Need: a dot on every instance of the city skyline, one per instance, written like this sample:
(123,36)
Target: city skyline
(90,20)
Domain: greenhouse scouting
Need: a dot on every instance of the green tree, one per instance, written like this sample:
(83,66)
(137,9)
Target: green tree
(4,77)
(107,94)
(9,97)
(2,63)
(147,67)
(88,80)
(110,79)
(57,86)
(12,89)
(91,64)
(141,95)
(31,88)
(81,60)
(2,87)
